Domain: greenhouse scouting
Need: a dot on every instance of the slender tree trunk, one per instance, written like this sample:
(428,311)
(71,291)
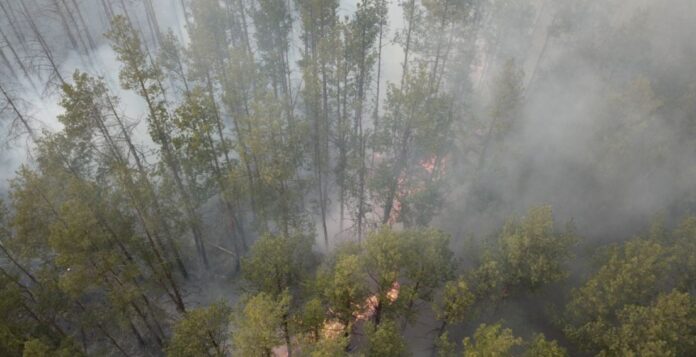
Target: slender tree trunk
(379,72)
(45,48)
(184,11)
(85,27)
(12,19)
(8,65)
(407,46)
(149,187)
(152,21)
(245,31)
(359,128)
(396,173)
(76,26)
(438,52)
(542,53)
(286,335)
(171,161)
(403,147)
(108,10)
(19,61)
(18,113)
(18,265)
(66,26)
(175,293)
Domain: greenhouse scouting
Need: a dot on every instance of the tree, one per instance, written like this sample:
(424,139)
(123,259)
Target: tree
(444,347)
(632,274)
(257,327)
(684,243)
(311,319)
(533,254)
(385,340)
(329,347)
(344,288)
(429,262)
(665,328)
(491,340)
(383,260)
(35,347)
(90,114)
(412,141)
(504,110)
(530,253)
(319,23)
(542,347)
(354,72)
(205,159)
(275,151)
(455,304)
(276,263)
(172,61)
(202,332)
(141,75)
(273,22)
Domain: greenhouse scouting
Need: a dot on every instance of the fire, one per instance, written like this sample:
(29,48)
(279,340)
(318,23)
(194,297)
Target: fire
(371,303)
(333,328)
(434,166)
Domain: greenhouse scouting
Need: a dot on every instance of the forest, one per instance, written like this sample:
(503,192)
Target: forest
(323,178)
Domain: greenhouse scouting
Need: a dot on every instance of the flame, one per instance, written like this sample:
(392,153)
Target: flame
(434,166)
(333,328)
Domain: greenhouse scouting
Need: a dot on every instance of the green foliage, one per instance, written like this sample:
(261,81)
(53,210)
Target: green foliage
(428,263)
(13,325)
(37,348)
(275,148)
(383,257)
(542,347)
(243,113)
(385,340)
(529,254)
(344,287)
(444,347)
(136,73)
(329,347)
(456,302)
(312,317)
(666,327)
(276,263)
(488,279)
(491,341)
(202,332)
(257,327)
(533,254)
(414,131)
(508,99)
(621,309)
(209,42)
(631,275)
(683,247)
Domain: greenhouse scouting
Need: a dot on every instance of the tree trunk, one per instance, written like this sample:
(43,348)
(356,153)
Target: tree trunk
(45,48)
(85,27)
(66,26)
(12,19)
(19,61)
(149,188)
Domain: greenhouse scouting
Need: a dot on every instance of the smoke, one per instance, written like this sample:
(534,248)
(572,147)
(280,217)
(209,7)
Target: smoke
(601,125)
(599,134)
(42,105)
